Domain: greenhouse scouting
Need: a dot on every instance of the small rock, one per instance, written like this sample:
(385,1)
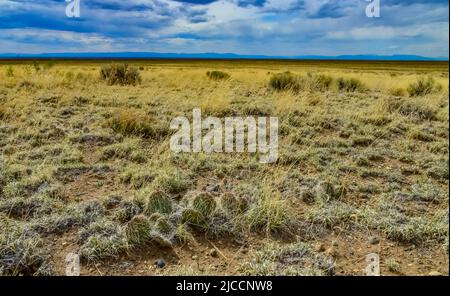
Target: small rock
(332,252)
(320,248)
(213,253)
(212,188)
(435,273)
(160,263)
(194,257)
(373,240)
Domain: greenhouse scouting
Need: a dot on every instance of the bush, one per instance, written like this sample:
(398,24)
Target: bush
(397,92)
(349,85)
(423,87)
(270,213)
(138,123)
(9,72)
(319,82)
(217,75)
(120,74)
(283,81)
(312,82)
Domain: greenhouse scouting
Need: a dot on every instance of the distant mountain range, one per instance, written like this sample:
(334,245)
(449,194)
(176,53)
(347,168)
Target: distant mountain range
(154,55)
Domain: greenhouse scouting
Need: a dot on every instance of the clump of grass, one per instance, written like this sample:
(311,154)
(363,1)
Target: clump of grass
(159,202)
(270,213)
(423,86)
(128,149)
(288,81)
(328,190)
(398,92)
(36,66)
(331,214)
(171,181)
(138,123)
(349,84)
(120,74)
(4,113)
(393,266)
(19,207)
(417,134)
(391,219)
(363,141)
(22,252)
(418,109)
(72,216)
(102,240)
(298,259)
(320,82)
(10,72)
(283,81)
(234,205)
(138,176)
(217,75)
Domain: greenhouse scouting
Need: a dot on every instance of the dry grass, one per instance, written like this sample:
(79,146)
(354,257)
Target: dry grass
(362,152)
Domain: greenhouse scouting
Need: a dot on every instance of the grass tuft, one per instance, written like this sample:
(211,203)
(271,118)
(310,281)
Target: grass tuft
(120,74)
(217,75)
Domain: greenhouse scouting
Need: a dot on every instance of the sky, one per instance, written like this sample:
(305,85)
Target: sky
(251,27)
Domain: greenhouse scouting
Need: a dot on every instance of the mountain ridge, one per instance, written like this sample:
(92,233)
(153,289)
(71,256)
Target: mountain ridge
(155,55)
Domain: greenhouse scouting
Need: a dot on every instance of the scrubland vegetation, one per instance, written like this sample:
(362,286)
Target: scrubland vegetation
(86,168)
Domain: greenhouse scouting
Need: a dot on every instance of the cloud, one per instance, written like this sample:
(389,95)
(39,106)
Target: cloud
(270,27)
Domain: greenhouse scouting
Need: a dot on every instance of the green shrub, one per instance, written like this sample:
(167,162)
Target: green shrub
(217,75)
(120,74)
(423,87)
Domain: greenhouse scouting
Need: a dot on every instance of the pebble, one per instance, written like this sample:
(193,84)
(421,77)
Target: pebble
(160,263)
(194,257)
(373,240)
(213,253)
(320,248)
(212,188)
(435,273)
(332,252)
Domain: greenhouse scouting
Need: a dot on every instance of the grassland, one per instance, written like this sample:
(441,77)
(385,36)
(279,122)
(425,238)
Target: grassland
(86,168)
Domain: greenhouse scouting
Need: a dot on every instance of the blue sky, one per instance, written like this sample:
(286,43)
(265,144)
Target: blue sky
(267,27)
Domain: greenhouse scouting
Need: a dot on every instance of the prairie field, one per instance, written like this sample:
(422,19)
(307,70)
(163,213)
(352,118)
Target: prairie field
(86,168)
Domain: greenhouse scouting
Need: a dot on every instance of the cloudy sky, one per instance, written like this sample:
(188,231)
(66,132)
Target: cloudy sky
(268,27)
